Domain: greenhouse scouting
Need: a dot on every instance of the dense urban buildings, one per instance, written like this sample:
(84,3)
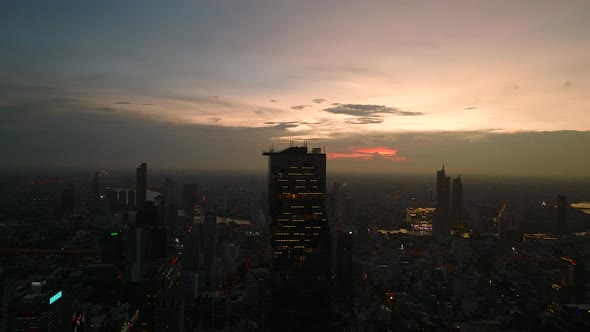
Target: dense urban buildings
(297,249)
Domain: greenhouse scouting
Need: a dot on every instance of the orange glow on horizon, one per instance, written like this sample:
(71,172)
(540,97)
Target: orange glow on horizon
(367,154)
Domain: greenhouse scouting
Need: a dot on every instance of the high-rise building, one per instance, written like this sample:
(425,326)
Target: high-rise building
(561,214)
(441,218)
(443,190)
(297,204)
(141,185)
(457,204)
(301,279)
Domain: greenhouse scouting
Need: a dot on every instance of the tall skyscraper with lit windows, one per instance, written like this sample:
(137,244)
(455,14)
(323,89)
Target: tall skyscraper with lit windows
(301,276)
(297,205)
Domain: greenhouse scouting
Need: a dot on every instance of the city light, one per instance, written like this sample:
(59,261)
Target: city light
(55,297)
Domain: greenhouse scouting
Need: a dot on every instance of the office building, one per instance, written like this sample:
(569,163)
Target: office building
(140,186)
(441,225)
(297,205)
(301,278)
(443,190)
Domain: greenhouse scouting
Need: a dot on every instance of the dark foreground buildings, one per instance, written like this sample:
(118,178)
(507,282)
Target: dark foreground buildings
(301,278)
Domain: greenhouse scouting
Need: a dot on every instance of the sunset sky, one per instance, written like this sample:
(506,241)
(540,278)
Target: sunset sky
(485,87)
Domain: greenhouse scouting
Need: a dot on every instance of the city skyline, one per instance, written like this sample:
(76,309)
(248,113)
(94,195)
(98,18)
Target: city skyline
(386,87)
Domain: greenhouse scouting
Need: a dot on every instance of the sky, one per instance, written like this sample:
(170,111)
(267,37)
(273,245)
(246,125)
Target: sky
(484,87)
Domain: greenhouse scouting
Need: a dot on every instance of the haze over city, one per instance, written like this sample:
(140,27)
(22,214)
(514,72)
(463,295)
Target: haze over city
(497,88)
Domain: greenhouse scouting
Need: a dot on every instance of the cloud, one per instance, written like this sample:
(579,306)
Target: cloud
(274,101)
(318,100)
(363,110)
(471,108)
(258,112)
(105,109)
(299,107)
(368,154)
(567,84)
(288,124)
(335,104)
(365,120)
(133,103)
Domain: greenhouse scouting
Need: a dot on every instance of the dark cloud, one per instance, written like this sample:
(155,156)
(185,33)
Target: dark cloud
(274,101)
(362,110)
(286,125)
(258,112)
(367,120)
(335,104)
(132,103)
(471,108)
(299,107)
(318,100)
(105,109)
(567,84)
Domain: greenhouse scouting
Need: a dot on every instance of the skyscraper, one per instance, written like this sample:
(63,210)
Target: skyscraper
(297,205)
(443,190)
(457,204)
(299,232)
(141,185)
(441,217)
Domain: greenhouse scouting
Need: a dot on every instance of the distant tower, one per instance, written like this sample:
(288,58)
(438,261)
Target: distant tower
(141,185)
(95,187)
(457,208)
(561,214)
(443,190)
(440,219)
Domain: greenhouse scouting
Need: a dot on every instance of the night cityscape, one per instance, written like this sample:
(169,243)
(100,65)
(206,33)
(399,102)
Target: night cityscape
(264,165)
